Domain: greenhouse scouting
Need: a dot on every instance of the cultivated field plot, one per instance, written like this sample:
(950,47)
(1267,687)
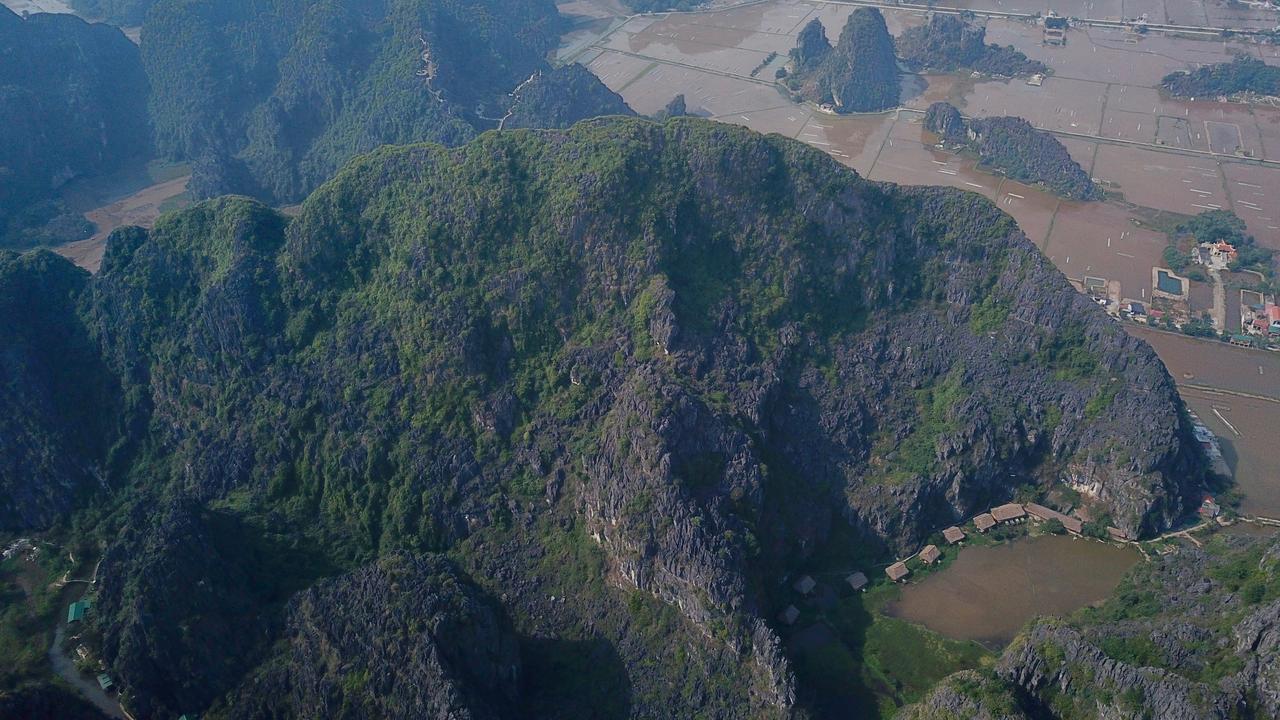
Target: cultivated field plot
(1186,12)
(1162,180)
(1111,55)
(1072,106)
(1176,132)
(1152,10)
(1268,123)
(1101,240)
(1126,125)
(788,120)
(906,160)
(1032,207)
(1255,197)
(1238,15)
(855,141)
(1082,151)
(1224,138)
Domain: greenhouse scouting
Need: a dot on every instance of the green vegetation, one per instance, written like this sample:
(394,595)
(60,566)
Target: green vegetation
(989,315)
(948,43)
(1243,74)
(537,353)
(860,660)
(72,104)
(917,454)
(1067,354)
(1213,226)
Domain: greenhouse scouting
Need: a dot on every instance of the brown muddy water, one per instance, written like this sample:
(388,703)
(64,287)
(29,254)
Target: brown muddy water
(990,592)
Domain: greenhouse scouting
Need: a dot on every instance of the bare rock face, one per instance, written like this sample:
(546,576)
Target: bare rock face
(405,637)
(969,695)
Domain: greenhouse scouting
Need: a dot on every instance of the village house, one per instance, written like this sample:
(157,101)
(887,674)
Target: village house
(857,581)
(953,535)
(1041,512)
(805,585)
(1117,534)
(897,571)
(1009,513)
(984,522)
(930,554)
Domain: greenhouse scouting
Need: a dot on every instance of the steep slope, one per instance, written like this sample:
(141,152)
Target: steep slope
(72,103)
(405,637)
(54,388)
(628,375)
(859,74)
(271,98)
(1012,146)
(561,97)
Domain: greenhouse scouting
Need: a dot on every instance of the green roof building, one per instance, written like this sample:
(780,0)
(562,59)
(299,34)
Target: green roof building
(77,609)
(105,682)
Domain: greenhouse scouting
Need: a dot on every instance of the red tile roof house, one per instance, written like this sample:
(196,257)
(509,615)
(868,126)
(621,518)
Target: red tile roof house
(1011,512)
(897,571)
(930,554)
(953,535)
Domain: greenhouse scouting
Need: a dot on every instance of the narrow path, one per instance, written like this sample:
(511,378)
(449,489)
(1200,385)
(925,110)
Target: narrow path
(1220,302)
(66,669)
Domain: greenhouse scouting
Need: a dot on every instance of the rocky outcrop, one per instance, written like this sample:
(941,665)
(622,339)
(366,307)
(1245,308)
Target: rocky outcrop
(944,119)
(1015,148)
(405,637)
(73,103)
(860,74)
(948,42)
(968,695)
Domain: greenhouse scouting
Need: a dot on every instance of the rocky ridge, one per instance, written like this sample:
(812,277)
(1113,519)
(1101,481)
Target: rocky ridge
(683,349)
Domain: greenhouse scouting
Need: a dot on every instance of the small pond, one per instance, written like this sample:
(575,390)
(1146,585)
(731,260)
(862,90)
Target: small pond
(990,592)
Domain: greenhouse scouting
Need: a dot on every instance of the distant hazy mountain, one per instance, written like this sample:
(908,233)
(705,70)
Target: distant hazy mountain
(271,97)
(72,103)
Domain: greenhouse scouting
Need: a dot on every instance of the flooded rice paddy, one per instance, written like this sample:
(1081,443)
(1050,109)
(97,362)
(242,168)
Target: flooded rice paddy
(990,592)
